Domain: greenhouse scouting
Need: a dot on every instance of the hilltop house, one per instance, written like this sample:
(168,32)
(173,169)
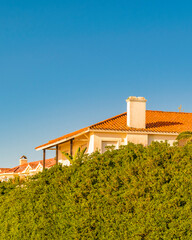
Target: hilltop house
(136,125)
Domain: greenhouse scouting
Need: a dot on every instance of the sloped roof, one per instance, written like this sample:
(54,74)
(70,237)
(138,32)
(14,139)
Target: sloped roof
(33,165)
(156,121)
(65,136)
(2,170)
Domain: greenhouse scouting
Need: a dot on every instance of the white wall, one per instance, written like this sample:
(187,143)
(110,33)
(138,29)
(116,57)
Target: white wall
(170,138)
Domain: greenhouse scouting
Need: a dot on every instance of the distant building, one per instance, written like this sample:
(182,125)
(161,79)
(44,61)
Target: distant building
(25,169)
(137,125)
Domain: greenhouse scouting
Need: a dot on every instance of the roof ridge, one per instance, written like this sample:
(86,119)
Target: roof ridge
(168,111)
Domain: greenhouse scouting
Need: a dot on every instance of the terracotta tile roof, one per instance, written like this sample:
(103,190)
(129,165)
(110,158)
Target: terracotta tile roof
(64,137)
(156,121)
(2,170)
(50,165)
(173,122)
(21,168)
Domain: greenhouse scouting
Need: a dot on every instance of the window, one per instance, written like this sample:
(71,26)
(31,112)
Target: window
(108,143)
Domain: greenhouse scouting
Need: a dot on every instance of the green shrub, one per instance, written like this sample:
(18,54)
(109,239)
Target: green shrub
(134,193)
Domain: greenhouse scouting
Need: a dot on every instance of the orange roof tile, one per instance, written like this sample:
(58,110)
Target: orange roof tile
(64,137)
(156,121)
(33,165)
(2,170)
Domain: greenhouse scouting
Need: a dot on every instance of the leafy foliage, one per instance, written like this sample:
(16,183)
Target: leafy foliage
(187,135)
(78,157)
(135,193)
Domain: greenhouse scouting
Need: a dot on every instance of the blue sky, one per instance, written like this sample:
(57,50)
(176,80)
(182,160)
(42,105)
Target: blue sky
(67,64)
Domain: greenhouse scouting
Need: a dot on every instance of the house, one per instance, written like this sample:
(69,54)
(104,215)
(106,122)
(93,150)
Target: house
(25,169)
(136,125)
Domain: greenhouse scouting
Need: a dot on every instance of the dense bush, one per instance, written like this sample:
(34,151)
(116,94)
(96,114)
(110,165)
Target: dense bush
(134,193)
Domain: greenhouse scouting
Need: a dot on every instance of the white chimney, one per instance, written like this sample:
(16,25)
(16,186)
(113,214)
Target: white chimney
(136,112)
(23,160)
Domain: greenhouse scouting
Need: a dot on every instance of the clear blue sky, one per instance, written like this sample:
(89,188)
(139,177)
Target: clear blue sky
(67,64)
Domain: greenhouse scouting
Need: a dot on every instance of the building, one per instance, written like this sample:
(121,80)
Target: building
(25,169)
(136,125)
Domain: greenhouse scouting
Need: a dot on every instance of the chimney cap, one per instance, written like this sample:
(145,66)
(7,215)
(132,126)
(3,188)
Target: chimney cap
(136,99)
(23,157)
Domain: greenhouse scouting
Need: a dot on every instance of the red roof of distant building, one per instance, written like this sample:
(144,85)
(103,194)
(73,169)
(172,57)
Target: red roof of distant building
(33,165)
(2,170)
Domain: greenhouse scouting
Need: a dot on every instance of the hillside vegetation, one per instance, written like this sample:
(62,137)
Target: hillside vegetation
(133,193)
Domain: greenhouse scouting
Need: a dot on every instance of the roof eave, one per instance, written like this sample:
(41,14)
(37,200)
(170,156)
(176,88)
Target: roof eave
(132,131)
(61,141)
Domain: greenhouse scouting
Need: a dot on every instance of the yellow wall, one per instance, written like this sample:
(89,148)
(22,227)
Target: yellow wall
(138,138)
(81,142)
(97,140)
